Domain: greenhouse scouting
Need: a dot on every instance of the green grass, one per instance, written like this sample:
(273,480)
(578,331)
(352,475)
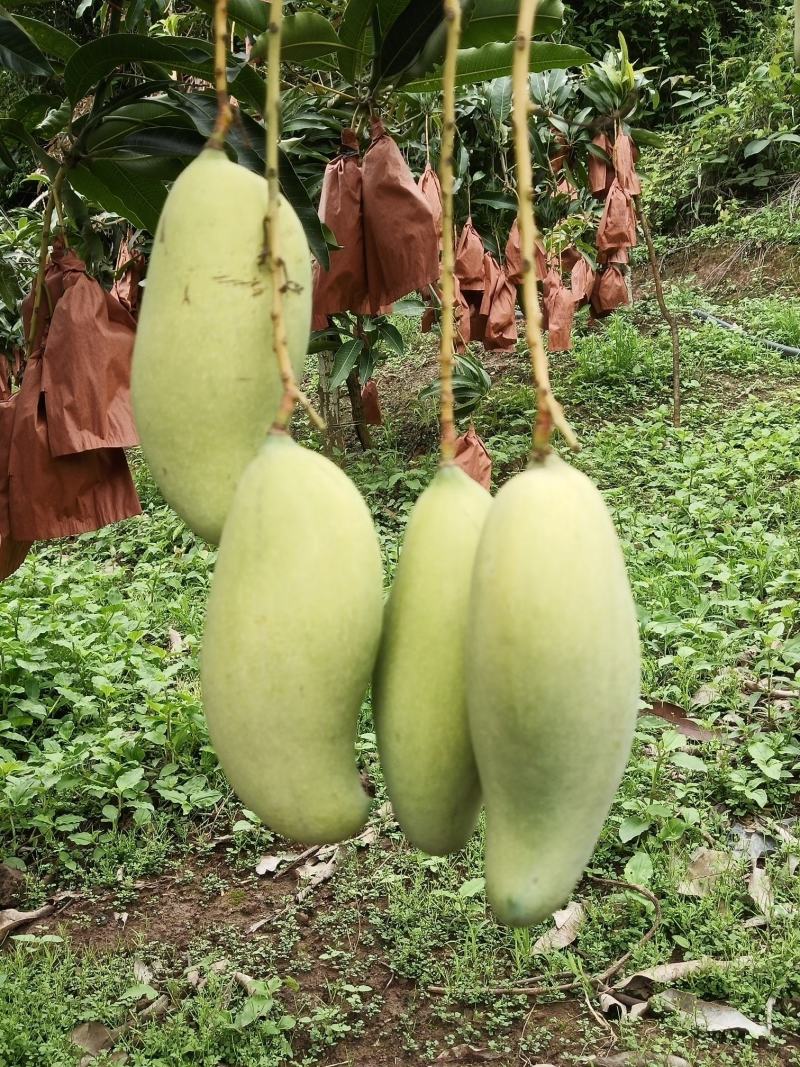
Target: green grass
(105,763)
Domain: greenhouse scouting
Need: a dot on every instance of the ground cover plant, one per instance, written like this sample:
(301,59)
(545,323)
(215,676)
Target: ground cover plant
(111,790)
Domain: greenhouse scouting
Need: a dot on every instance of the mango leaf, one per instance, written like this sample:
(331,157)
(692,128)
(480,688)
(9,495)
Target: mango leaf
(306,35)
(494,61)
(247,14)
(247,140)
(407,37)
(99,58)
(344,361)
(389,11)
(13,130)
(496,21)
(352,34)
(50,40)
(113,187)
(18,52)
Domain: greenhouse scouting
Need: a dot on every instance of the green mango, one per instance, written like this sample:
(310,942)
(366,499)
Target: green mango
(418,690)
(291,635)
(205,382)
(552,682)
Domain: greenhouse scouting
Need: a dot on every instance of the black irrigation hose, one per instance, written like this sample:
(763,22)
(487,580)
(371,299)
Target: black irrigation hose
(786,350)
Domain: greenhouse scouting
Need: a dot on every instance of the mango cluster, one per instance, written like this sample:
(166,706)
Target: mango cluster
(505,663)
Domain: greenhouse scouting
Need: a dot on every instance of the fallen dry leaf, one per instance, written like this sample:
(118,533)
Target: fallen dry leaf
(679,718)
(155,1010)
(632,996)
(761,892)
(142,973)
(12,886)
(268,865)
(706,867)
(708,1015)
(751,841)
(322,870)
(93,1037)
(367,837)
(11,919)
(704,696)
(175,641)
(467,1054)
(568,922)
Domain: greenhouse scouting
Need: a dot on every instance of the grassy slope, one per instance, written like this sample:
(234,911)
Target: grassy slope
(107,781)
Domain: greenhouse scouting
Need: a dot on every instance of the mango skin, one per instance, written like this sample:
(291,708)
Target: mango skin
(553,684)
(418,691)
(291,635)
(205,383)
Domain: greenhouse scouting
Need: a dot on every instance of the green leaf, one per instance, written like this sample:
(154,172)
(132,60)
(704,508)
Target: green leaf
(639,869)
(251,14)
(496,21)
(99,58)
(754,148)
(494,61)
(392,338)
(117,188)
(129,779)
(689,762)
(344,361)
(352,35)
(500,93)
(632,827)
(247,140)
(56,120)
(11,129)
(497,201)
(51,41)
(408,36)
(472,888)
(306,35)
(18,52)
(166,141)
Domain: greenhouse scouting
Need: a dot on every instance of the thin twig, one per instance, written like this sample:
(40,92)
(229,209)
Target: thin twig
(224,117)
(452,15)
(667,315)
(548,411)
(277,267)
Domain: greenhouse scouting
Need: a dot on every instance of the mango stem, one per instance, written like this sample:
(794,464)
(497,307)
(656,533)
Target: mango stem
(549,413)
(452,16)
(53,199)
(277,267)
(224,117)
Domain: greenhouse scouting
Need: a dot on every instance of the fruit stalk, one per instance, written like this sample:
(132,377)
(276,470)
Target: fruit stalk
(452,15)
(291,395)
(549,413)
(44,247)
(224,117)
(277,267)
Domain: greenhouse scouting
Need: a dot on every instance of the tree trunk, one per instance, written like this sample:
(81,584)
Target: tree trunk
(354,389)
(330,405)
